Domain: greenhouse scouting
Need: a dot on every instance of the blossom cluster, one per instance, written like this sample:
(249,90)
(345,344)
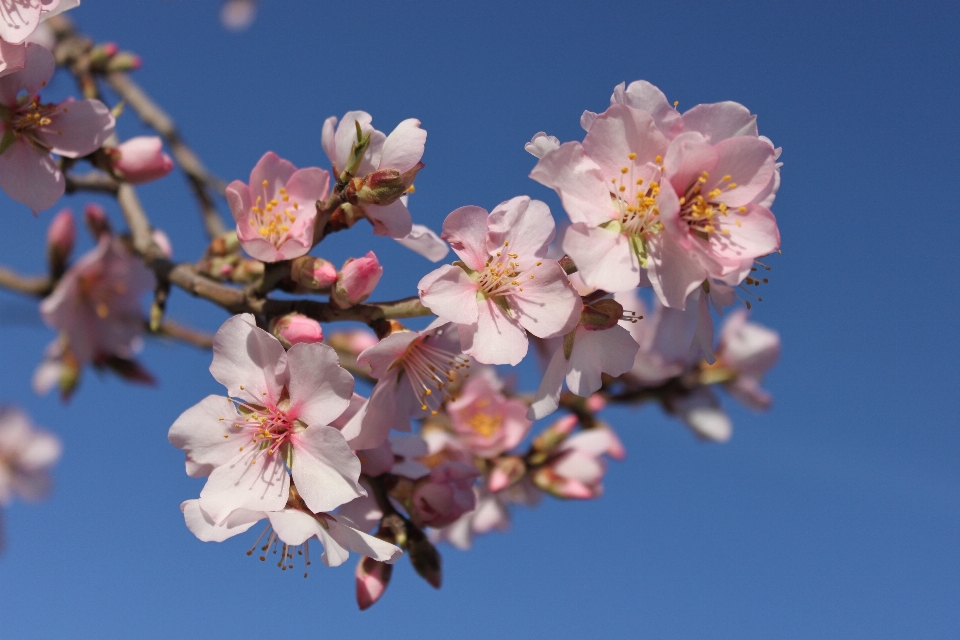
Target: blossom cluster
(391,441)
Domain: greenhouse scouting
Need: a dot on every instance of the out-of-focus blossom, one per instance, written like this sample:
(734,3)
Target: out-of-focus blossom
(356,280)
(295,328)
(22,21)
(355,341)
(96,304)
(59,368)
(162,240)
(386,169)
(444,495)
(273,424)
(26,455)
(398,454)
(33,130)
(141,159)
(413,371)
(425,242)
(487,421)
(577,469)
(503,285)
(746,352)
(238,15)
(701,411)
(61,234)
(277,211)
(372,580)
(289,532)
(313,273)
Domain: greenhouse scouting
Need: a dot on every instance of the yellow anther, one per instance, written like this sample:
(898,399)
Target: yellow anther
(732,185)
(286,198)
(622,189)
(283,190)
(632,156)
(264,184)
(742,209)
(624,170)
(738,223)
(725,232)
(727,178)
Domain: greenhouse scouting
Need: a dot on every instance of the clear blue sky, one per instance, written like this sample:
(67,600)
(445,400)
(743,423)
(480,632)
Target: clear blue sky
(835,515)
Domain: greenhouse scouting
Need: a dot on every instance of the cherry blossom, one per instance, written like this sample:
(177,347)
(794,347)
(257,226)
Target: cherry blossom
(273,425)
(32,130)
(577,469)
(276,213)
(503,285)
(487,422)
(26,455)
(96,304)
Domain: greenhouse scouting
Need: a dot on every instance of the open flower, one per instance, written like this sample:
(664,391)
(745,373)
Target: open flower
(488,422)
(746,352)
(26,455)
(33,130)
(277,212)
(503,285)
(273,425)
(19,19)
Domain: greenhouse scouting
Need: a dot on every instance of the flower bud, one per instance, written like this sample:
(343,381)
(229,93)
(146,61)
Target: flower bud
(247,271)
(382,187)
(141,159)
(294,328)
(560,486)
(312,273)
(424,557)
(372,580)
(123,61)
(101,54)
(356,280)
(60,238)
(224,244)
(602,314)
(506,471)
(96,219)
(444,495)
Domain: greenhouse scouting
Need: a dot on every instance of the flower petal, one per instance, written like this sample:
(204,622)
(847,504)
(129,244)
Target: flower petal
(30,176)
(403,148)
(203,526)
(320,389)
(466,231)
(249,481)
(324,468)
(77,128)
(248,361)
(450,293)
(495,338)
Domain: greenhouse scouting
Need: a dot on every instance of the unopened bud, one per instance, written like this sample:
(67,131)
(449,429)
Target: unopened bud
(124,61)
(551,437)
(96,219)
(424,557)
(372,580)
(162,241)
(313,273)
(556,485)
(247,271)
(382,187)
(294,328)
(101,54)
(356,280)
(141,159)
(224,244)
(60,238)
(602,314)
(506,471)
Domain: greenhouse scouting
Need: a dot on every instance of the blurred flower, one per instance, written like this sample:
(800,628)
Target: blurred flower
(444,495)
(141,159)
(238,15)
(487,421)
(26,455)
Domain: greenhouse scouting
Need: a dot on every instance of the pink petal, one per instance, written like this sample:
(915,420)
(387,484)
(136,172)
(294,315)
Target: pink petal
(425,242)
(362,543)
(381,356)
(320,390)
(37,71)
(521,226)
(329,145)
(642,95)
(200,432)
(466,231)
(611,351)
(495,338)
(403,148)
(392,220)
(30,176)
(12,57)
(324,469)
(548,305)
(248,361)
(345,423)
(687,157)
(604,258)
(202,525)
(673,272)
(720,120)
(450,293)
(547,398)
(274,170)
(243,484)
(749,162)
(578,181)
(618,132)
(294,527)
(77,128)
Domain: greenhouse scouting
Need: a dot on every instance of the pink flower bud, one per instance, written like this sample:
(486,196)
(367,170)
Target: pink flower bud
(444,495)
(96,219)
(372,580)
(506,471)
(294,328)
(356,280)
(142,159)
(312,273)
(124,61)
(60,238)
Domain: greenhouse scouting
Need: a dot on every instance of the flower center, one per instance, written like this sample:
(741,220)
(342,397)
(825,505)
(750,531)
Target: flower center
(264,427)
(704,213)
(635,198)
(431,369)
(486,424)
(30,116)
(272,217)
(99,293)
(502,275)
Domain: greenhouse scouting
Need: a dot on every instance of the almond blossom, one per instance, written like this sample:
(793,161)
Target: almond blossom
(746,352)
(19,19)
(577,469)
(487,422)
(273,425)
(443,496)
(96,304)
(32,130)
(26,455)
(397,155)
(277,211)
(503,285)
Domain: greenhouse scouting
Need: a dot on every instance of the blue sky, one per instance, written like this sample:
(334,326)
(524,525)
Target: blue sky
(836,514)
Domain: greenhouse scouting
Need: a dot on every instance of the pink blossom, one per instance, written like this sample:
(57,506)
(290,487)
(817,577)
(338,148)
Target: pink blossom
(289,531)
(598,345)
(276,213)
(400,151)
(313,273)
(61,235)
(19,20)
(444,495)
(294,328)
(356,280)
(33,130)
(487,421)
(96,304)
(142,159)
(577,470)
(425,242)
(490,514)
(272,425)
(398,454)
(26,455)
(747,351)
(372,580)
(701,411)
(413,372)
(503,285)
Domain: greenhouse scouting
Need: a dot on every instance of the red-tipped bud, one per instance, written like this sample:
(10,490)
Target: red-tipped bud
(123,61)
(356,280)
(294,328)
(162,240)
(507,470)
(552,436)
(561,487)
(96,219)
(141,159)
(60,238)
(372,580)
(100,54)
(313,273)
(602,314)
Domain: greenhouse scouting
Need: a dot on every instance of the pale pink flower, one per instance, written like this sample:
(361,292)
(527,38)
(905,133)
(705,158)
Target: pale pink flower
(356,280)
(33,130)
(747,350)
(272,425)
(294,328)
(424,241)
(289,532)
(19,22)
(277,212)
(400,151)
(503,285)
(26,455)
(490,514)
(96,304)
(444,495)
(141,159)
(701,411)
(541,144)
(598,345)
(238,15)
(413,371)
(486,420)
(577,470)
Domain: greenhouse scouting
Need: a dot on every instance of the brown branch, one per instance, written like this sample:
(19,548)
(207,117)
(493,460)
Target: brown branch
(93,181)
(39,286)
(173,329)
